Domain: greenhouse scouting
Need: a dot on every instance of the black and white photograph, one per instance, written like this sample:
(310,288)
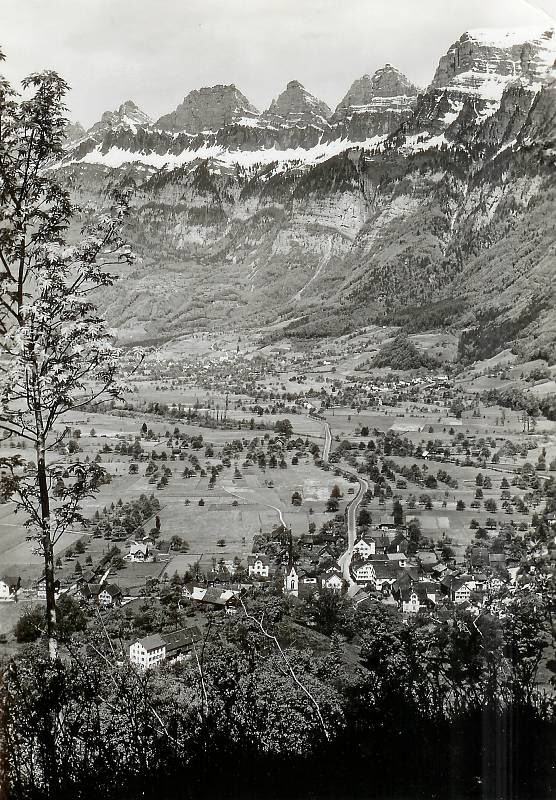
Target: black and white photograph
(277,399)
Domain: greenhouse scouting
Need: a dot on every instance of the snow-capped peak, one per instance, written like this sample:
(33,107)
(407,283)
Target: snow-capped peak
(483,62)
(128,115)
(504,37)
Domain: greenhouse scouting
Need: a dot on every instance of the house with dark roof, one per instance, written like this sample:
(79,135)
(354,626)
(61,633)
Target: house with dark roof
(90,591)
(386,575)
(398,544)
(181,642)
(219,576)
(414,599)
(152,650)
(110,595)
(364,547)
(456,588)
(148,651)
(213,597)
(382,542)
(332,579)
(386,523)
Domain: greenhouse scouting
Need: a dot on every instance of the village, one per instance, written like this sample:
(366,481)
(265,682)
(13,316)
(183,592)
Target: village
(400,489)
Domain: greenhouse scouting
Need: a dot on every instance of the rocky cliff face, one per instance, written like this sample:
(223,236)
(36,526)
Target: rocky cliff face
(209,109)
(374,106)
(74,132)
(483,62)
(296,106)
(425,209)
(386,83)
(127,116)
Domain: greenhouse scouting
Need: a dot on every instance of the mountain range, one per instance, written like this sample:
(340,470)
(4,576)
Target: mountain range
(425,208)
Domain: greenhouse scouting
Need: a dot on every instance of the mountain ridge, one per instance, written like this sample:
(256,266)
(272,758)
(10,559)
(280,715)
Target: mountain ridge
(437,205)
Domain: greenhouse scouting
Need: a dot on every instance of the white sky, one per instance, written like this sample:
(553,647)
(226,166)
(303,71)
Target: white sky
(155,51)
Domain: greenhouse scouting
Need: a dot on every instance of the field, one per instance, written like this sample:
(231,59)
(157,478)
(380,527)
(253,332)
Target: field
(234,510)
(230,496)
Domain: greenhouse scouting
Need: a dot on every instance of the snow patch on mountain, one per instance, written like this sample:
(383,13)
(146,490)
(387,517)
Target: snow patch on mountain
(117,157)
(483,62)
(503,37)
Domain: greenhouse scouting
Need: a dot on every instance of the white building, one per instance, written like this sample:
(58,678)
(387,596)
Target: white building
(8,588)
(365,573)
(332,579)
(148,652)
(138,552)
(259,566)
(364,547)
(291,582)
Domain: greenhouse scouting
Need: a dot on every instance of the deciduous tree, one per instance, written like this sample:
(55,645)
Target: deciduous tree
(57,355)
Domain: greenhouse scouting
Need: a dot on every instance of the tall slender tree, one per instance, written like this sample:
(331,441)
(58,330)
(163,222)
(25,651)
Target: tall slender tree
(56,354)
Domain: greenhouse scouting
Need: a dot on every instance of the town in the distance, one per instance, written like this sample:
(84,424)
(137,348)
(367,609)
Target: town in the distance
(238,468)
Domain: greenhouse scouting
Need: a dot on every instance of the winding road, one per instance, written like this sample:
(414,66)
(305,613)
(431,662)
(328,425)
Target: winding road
(345,559)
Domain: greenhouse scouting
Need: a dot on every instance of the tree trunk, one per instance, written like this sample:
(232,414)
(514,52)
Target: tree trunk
(48,550)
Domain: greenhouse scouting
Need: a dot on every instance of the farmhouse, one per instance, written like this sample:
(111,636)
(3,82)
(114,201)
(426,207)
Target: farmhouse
(152,650)
(110,595)
(398,544)
(90,591)
(148,652)
(181,642)
(386,575)
(213,597)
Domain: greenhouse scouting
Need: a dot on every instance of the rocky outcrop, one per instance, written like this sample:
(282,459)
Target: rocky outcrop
(74,132)
(296,106)
(386,82)
(374,106)
(128,115)
(484,62)
(209,109)
(483,74)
